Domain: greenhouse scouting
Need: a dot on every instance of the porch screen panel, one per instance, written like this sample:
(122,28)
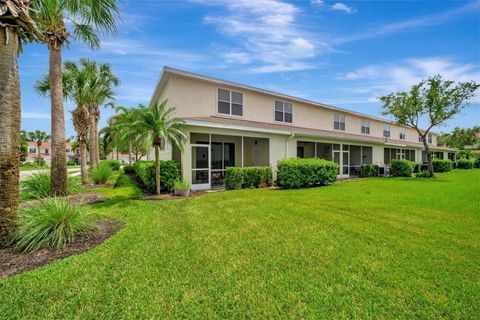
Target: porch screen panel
(324,151)
(367,155)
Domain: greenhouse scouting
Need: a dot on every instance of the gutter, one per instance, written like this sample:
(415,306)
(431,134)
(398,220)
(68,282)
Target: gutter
(286,144)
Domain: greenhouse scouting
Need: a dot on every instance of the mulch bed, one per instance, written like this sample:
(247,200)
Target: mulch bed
(12,263)
(86,198)
(171,196)
(97,186)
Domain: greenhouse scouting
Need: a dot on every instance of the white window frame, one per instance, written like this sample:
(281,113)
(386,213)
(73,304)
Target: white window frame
(340,117)
(230,91)
(385,126)
(430,138)
(34,150)
(283,111)
(403,133)
(365,126)
(420,139)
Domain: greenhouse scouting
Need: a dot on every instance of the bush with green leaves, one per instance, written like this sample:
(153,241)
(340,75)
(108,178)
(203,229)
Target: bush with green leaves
(113,163)
(181,185)
(465,164)
(417,167)
(53,223)
(248,177)
(369,170)
(401,168)
(442,165)
(423,174)
(72,163)
(101,173)
(303,173)
(169,174)
(128,169)
(37,186)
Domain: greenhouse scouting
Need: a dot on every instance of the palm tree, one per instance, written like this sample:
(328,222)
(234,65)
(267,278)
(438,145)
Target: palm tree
(16,26)
(85,19)
(39,137)
(156,125)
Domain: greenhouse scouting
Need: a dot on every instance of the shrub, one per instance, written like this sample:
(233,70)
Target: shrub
(369,170)
(302,173)
(128,169)
(52,223)
(169,174)
(71,163)
(465,164)
(182,185)
(402,168)
(37,186)
(101,173)
(113,164)
(440,165)
(423,174)
(247,177)
(417,167)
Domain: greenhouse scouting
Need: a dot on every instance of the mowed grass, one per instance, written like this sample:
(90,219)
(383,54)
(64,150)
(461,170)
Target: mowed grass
(368,248)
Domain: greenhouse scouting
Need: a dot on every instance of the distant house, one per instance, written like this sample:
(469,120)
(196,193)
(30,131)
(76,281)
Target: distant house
(46,152)
(231,124)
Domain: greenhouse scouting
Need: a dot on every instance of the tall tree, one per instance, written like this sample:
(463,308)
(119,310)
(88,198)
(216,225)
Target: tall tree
(23,145)
(156,125)
(461,138)
(16,26)
(436,99)
(39,137)
(59,21)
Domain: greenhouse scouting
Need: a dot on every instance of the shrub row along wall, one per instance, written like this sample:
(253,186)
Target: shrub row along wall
(465,164)
(440,165)
(369,170)
(402,168)
(169,174)
(247,177)
(301,173)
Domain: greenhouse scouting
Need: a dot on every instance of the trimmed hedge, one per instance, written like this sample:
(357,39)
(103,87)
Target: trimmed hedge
(465,164)
(128,169)
(169,174)
(113,164)
(247,177)
(402,168)
(369,170)
(417,167)
(302,173)
(440,165)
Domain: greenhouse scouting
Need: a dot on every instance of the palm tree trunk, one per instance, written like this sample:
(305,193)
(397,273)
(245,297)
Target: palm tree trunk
(39,157)
(59,155)
(97,144)
(91,140)
(9,133)
(83,161)
(129,152)
(157,169)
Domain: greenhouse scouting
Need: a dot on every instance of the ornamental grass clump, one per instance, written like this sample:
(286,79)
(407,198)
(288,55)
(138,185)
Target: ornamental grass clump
(38,186)
(52,223)
(101,173)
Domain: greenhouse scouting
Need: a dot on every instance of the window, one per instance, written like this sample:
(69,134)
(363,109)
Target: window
(402,133)
(339,121)
(283,111)
(33,150)
(230,102)
(420,139)
(46,151)
(365,129)
(430,139)
(67,150)
(386,131)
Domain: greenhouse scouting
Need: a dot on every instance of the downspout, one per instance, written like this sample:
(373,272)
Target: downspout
(286,143)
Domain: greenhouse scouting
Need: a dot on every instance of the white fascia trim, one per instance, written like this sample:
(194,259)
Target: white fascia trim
(196,123)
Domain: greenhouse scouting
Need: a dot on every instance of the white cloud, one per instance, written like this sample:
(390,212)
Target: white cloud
(317,2)
(343,7)
(267,34)
(36,115)
(377,80)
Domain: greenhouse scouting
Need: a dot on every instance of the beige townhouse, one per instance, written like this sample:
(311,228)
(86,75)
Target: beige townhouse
(231,124)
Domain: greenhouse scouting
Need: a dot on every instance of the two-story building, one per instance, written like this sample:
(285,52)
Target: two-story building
(230,124)
(45,151)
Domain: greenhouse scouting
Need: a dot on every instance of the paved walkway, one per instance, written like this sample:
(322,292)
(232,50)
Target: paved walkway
(25,174)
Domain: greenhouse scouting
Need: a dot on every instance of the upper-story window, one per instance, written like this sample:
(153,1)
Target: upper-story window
(33,150)
(402,133)
(230,102)
(339,121)
(430,138)
(46,151)
(386,131)
(365,128)
(420,139)
(283,111)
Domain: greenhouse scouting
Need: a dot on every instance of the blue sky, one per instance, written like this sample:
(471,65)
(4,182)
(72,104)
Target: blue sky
(342,53)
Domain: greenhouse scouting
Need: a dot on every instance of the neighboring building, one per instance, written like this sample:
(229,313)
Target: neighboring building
(230,124)
(46,151)
(123,158)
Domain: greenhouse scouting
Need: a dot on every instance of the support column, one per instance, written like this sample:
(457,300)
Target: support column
(242,152)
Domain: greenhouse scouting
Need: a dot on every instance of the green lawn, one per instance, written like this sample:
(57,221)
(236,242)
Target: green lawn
(367,248)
